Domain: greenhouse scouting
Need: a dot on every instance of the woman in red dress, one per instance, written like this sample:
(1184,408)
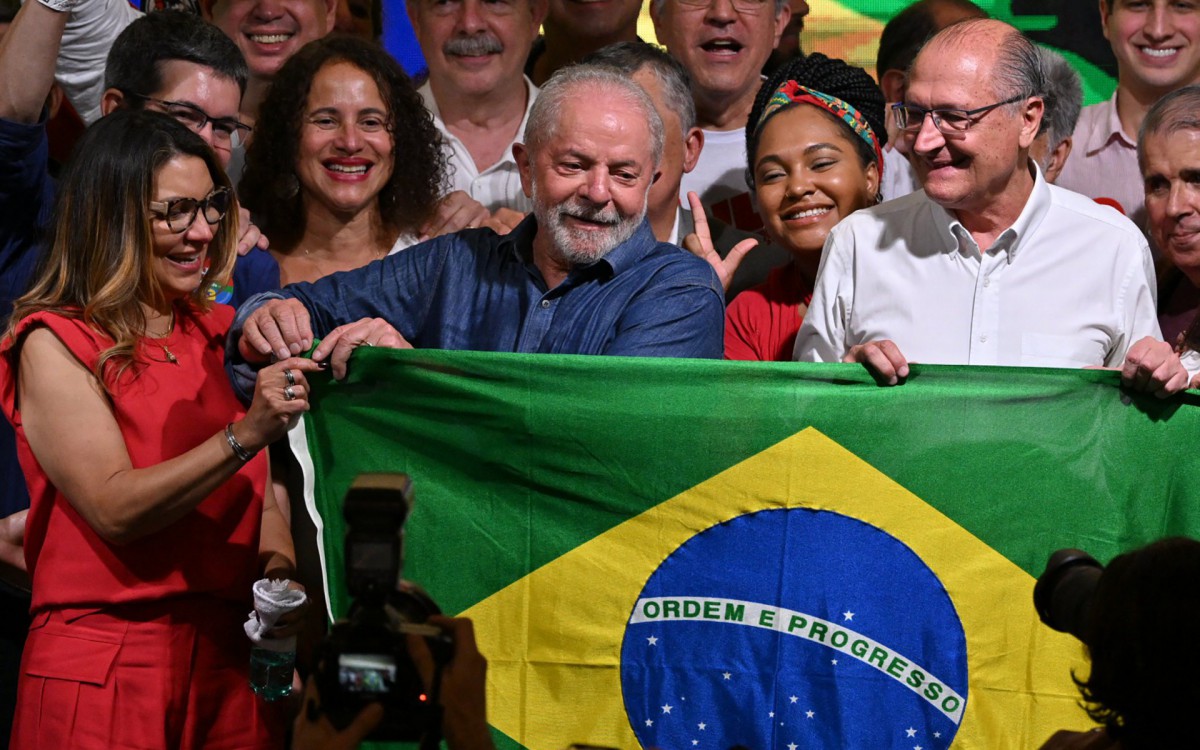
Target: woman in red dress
(151,514)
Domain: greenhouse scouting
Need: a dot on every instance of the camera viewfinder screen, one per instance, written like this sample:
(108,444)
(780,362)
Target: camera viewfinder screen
(366,673)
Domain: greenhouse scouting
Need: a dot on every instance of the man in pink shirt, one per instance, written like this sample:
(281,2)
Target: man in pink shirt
(1157,46)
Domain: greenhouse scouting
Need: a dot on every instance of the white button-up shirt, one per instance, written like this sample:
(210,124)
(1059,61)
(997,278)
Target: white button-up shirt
(1069,284)
(500,184)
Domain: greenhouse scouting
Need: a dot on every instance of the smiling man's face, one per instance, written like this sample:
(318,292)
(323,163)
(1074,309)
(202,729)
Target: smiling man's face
(1156,42)
(268,32)
(722,45)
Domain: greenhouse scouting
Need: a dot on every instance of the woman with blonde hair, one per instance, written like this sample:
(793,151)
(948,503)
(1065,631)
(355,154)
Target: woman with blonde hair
(151,515)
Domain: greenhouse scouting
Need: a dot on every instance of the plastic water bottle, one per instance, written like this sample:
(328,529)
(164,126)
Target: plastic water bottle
(271,665)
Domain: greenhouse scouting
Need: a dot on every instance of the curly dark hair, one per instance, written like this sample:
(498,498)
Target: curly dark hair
(1142,684)
(829,76)
(269,186)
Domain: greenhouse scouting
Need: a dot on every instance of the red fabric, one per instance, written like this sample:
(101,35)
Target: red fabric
(142,645)
(163,410)
(158,675)
(761,323)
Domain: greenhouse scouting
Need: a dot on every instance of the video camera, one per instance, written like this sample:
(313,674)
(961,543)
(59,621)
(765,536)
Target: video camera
(365,657)
(1064,592)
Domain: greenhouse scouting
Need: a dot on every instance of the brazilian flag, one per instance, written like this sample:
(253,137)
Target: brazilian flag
(693,554)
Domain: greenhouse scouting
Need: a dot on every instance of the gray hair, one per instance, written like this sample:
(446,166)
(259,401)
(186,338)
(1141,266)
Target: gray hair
(619,93)
(657,5)
(1178,110)
(1063,95)
(1018,69)
(630,58)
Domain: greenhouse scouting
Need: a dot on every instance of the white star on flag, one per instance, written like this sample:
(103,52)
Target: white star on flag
(771,715)
(695,742)
(727,676)
(793,699)
(916,747)
(667,708)
(649,722)
(652,640)
(848,615)
(937,735)
(809,714)
(792,746)
(702,726)
(833,662)
(911,732)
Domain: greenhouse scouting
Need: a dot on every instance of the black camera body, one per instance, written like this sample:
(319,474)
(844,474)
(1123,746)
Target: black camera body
(1064,592)
(365,657)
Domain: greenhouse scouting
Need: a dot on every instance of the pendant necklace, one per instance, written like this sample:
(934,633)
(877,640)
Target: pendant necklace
(170,328)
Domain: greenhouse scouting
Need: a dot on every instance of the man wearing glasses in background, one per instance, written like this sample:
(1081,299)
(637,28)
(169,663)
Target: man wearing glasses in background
(990,264)
(723,44)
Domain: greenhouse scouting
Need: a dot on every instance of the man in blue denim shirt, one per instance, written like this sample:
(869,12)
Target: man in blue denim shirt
(582,275)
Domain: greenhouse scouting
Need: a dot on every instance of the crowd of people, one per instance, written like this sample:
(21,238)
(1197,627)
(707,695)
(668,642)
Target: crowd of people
(261,174)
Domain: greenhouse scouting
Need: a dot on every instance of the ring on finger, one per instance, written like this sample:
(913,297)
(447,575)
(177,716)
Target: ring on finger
(287,375)
(289,394)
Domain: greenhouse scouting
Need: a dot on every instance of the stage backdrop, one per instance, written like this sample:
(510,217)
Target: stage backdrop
(694,554)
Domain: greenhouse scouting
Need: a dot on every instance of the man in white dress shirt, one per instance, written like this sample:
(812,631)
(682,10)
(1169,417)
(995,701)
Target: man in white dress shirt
(478,96)
(989,264)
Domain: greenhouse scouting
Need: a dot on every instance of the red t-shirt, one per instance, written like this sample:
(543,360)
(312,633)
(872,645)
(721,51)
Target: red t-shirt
(761,323)
(163,409)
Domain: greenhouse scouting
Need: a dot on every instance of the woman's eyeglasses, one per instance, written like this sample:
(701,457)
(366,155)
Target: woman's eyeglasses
(180,213)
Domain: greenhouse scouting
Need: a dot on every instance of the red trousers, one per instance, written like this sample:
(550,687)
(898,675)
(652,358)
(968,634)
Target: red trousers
(170,674)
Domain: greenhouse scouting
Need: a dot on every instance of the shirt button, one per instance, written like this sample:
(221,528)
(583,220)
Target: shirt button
(987,281)
(983,339)
(545,303)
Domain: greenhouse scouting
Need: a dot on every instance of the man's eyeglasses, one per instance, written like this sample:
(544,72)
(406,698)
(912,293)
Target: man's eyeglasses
(748,7)
(910,117)
(227,131)
(181,212)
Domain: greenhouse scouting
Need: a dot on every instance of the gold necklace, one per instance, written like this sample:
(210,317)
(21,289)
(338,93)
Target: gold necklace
(170,328)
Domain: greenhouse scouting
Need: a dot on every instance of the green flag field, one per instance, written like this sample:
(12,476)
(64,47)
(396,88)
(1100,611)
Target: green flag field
(695,554)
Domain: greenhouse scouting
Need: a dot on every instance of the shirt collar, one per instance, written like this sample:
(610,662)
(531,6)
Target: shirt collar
(1011,240)
(1105,128)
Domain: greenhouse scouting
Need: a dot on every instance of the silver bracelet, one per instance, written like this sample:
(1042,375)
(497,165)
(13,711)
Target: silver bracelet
(242,454)
(61,6)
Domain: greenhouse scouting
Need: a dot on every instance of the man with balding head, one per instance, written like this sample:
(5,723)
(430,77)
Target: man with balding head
(989,265)
(582,275)
(899,42)
(475,51)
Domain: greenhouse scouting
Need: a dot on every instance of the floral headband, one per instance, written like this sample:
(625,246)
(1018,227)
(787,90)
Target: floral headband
(791,92)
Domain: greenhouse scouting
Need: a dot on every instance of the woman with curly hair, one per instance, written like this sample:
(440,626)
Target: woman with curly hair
(814,150)
(345,166)
(151,516)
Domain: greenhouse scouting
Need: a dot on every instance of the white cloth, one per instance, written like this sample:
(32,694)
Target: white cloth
(272,600)
(500,184)
(899,179)
(1069,284)
(720,174)
(677,236)
(86,40)
(403,242)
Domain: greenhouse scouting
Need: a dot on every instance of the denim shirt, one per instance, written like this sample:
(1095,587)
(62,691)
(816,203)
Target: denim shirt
(481,291)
